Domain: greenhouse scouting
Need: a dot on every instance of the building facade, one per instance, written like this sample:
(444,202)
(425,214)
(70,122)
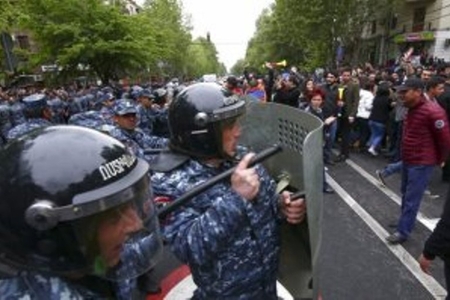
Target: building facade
(421,27)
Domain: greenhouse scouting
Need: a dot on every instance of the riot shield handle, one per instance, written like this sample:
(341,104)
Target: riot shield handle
(261,156)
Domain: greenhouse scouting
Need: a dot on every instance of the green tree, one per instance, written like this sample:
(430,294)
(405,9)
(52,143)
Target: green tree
(202,58)
(86,32)
(170,35)
(239,67)
(260,48)
(307,32)
(9,14)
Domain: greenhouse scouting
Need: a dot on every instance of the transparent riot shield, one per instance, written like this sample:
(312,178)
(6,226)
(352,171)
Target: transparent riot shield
(299,167)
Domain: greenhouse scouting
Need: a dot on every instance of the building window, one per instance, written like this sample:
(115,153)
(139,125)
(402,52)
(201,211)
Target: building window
(23,42)
(419,19)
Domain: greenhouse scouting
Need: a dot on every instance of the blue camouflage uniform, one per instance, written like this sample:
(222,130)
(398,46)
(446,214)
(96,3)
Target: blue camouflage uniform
(33,102)
(26,127)
(90,119)
(5,122)
(107,111)
(58,108)
(137,141)
(17,115)
(74,106)
(146,118)
(146,115)
(37,286)
(107,114)
(230,244)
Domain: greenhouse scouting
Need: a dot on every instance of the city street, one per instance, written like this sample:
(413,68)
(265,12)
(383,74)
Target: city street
(356,262)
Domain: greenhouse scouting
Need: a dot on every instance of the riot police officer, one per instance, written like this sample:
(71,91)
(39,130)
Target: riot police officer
(37,114)
(107,110)
(5,121)
(160,118)
(126,131)
(76,217)
(229,234)
(145,111)
(17,109)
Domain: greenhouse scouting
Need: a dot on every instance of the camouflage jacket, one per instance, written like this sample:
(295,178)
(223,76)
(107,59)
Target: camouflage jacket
(90,119)
(39,286)
(230,244)
(26,127)
(17,116)
(107,114)
(35,286)
(137,141)
(5,122)
(146,118)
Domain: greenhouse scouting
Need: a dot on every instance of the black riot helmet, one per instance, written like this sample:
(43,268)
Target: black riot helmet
(196,119)
(72,201)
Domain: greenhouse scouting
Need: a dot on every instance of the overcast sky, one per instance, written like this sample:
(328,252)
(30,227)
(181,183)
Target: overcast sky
(231,24)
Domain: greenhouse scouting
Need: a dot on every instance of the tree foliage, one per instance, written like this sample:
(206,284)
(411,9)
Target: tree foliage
(102,38)
(307,32)
(202,58)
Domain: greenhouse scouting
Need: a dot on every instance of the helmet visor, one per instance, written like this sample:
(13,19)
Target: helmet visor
(123,241)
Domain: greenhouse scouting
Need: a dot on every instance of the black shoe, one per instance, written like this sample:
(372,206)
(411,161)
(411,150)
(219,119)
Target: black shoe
(380,177)
(392,225)
(328,190)
(395,238)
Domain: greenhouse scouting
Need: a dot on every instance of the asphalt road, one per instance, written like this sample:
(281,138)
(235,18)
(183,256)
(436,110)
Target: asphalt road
(356,262)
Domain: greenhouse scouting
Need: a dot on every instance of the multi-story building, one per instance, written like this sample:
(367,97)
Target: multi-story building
(420,25)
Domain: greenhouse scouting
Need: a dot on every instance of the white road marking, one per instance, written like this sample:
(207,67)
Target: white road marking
(186,287)
(433,287)
(427,222)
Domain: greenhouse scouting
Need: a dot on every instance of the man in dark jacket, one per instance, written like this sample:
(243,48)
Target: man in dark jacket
(348,101)
(287,91)
(330,110)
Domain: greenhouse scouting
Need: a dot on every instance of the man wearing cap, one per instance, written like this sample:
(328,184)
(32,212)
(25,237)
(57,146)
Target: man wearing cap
(425,143)
(107,110)
(160,118)
(37,114)
(125,119)
(145,111)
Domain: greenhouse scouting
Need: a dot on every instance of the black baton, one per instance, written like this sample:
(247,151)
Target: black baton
(261,156)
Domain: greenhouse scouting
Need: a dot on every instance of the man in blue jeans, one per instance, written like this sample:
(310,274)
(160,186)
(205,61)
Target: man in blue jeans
(425,143)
